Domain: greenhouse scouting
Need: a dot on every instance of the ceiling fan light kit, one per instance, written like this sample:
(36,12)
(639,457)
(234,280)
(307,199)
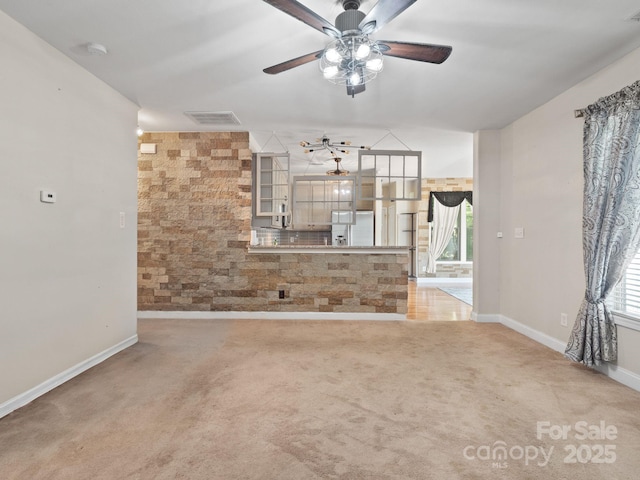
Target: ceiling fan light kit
(352,59)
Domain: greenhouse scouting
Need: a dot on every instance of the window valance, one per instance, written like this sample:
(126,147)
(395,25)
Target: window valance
(448,199)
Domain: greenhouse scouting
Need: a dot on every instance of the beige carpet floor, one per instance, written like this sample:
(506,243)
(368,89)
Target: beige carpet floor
(327,400)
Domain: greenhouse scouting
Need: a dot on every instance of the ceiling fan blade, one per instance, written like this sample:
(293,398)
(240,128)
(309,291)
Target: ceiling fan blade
(352,90)
(305,15)
(422,52)
(382,13)
(294,62)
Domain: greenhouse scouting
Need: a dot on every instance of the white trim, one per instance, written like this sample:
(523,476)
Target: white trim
(485,317)
(152,314)
(627,321)
(543,338)
(619,374)
(538,336)
(622,375)
(436,281)
(24,398)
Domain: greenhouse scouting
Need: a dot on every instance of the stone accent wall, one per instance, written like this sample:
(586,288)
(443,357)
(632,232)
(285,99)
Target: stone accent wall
(328,282)
(194,202)
(194,215)
(452,270)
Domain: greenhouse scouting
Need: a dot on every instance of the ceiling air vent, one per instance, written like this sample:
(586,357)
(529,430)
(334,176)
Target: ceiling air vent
(213,118)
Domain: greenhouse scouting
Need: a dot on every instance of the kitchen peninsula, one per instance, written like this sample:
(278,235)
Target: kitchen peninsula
(336,279)
(196,257)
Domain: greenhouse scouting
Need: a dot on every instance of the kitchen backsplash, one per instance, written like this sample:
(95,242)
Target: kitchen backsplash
(266,236)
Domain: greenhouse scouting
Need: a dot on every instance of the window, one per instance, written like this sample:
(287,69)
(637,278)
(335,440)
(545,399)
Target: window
(398,169)
(460,247)
(625,299)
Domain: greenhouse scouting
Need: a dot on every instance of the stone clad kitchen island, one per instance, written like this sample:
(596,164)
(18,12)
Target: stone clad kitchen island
(331,281)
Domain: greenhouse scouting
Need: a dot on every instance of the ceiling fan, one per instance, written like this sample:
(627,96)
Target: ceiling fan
(352,59)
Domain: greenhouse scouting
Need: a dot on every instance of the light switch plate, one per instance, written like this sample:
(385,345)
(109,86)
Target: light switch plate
(148,148)
(518,232)
(48,196)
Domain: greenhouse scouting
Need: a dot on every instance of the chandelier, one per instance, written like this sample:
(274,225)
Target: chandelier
(337,171)
(351,60)
(333,148)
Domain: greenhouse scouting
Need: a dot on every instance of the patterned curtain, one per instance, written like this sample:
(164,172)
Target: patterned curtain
(611,218)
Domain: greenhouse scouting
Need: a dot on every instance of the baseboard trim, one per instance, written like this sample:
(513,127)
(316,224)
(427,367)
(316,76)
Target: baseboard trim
(180,315)
(533,334)
(619,374)
(24,398)
(486,317)
(436,281)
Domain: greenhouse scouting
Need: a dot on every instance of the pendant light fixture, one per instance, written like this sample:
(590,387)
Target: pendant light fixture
(337,171)
(325,143)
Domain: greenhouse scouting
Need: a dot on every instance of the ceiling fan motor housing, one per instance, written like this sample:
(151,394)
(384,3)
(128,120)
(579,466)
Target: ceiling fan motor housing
(351,4)
(349,20)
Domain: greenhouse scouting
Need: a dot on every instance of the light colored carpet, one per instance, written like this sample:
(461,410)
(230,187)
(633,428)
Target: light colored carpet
(461,293)
(321,400)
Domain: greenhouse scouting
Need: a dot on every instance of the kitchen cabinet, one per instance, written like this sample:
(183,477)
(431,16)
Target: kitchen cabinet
(271,193)
(316,197)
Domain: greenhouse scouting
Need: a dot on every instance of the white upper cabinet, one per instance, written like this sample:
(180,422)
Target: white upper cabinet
(272,187)
(316,197)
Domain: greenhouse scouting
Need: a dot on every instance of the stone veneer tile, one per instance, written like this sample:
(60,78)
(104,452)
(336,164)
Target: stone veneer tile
(194,229)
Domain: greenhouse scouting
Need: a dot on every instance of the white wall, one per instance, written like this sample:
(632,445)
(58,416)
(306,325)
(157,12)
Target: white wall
(67,270)
(540,189)
(447,154)
(486,224)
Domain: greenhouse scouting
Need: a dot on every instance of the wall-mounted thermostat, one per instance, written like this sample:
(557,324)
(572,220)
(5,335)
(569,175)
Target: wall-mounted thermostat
(47,196)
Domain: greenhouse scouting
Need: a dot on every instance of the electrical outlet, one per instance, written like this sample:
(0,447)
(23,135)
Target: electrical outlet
(563,319)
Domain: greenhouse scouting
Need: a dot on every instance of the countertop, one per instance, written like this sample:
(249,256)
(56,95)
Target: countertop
(327,249)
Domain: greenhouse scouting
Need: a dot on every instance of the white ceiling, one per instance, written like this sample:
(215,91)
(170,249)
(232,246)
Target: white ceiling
(509,56)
